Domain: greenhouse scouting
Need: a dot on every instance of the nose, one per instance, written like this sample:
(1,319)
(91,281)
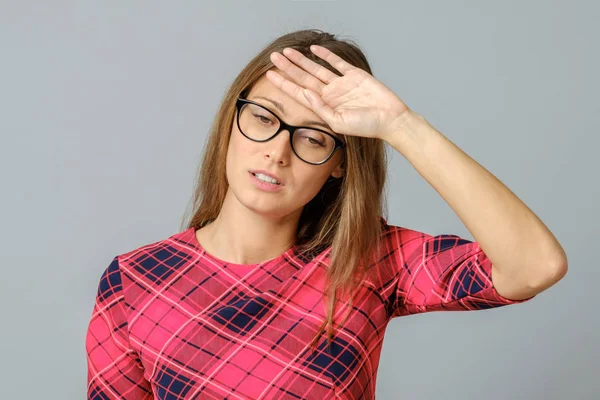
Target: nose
(278,149)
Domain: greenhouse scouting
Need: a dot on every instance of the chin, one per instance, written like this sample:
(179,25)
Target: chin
(257,202)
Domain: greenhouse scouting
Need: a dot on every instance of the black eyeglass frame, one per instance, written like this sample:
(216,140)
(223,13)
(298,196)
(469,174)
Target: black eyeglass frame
(339,144)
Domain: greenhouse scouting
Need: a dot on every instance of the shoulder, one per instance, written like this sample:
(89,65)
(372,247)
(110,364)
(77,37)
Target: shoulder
(400,246)
(155,262)
(399,238)
(396,244)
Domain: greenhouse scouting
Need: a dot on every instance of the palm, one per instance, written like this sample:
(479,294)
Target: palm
(353,104)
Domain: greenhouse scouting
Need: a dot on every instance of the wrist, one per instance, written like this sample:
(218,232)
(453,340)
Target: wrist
(404,125)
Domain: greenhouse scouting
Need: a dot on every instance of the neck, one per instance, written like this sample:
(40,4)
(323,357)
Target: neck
(242,236)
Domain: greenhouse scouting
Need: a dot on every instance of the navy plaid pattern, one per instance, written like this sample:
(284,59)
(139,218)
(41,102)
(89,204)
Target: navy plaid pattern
(171,321)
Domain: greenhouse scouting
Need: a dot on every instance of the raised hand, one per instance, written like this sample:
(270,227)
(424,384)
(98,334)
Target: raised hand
(353,104)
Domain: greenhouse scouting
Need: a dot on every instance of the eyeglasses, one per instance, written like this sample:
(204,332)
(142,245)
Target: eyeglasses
(259,124)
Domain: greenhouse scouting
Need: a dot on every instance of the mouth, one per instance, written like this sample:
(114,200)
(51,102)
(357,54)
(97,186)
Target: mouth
(265,177)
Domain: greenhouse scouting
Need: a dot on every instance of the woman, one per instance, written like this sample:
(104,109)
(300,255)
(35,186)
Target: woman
(284,281)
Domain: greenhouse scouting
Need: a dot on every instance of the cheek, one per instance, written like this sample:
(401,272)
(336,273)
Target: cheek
(236,151)
(230,159)
(308,182)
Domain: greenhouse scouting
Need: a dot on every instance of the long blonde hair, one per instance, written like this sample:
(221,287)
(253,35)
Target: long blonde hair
(345,214)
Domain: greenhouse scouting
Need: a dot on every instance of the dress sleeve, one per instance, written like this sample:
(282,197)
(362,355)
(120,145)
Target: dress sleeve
(439,273)
(114,369)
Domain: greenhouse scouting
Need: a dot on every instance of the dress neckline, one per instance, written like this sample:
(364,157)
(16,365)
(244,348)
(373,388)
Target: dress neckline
(194,240)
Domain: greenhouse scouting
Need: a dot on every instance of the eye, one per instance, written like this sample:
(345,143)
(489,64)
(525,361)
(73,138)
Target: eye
(262,118)
(311,138)
(314,141)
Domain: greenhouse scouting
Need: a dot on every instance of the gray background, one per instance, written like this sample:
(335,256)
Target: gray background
(105,107)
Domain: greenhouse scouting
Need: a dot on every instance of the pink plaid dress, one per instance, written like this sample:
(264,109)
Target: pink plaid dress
(171,321)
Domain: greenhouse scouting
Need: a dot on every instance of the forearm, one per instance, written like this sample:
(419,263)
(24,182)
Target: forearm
(517,242)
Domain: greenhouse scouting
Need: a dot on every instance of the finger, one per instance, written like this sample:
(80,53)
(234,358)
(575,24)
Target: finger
(300,76)
(320,108)
(336,61)
(288,87)
(309,65)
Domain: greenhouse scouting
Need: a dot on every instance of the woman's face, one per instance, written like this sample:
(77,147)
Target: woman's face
(300,181)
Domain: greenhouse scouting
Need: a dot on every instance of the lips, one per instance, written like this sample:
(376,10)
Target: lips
(260,171)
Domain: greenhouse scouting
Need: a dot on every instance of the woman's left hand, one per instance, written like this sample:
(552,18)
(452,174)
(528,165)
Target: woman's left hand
(354,104)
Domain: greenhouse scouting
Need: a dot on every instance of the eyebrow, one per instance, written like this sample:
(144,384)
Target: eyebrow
(280,107)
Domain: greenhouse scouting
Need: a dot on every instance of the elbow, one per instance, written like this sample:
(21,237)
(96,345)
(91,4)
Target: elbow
(552,274)
(560,271)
